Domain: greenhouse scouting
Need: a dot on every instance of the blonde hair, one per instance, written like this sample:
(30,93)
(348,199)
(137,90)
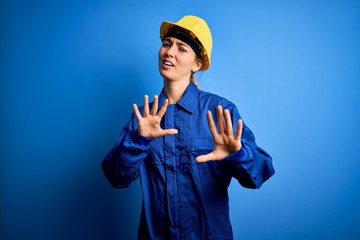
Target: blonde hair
(193,79)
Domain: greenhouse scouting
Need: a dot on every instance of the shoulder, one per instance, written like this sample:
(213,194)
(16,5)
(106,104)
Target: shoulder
(215,99)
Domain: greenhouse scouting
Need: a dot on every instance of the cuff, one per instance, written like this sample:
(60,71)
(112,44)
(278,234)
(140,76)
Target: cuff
(241,155)
(140,139)
(133,138)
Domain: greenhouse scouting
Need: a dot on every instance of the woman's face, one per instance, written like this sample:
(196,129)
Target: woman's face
(177,60)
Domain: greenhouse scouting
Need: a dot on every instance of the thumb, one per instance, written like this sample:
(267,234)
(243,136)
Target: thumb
(170,131)
(205,158)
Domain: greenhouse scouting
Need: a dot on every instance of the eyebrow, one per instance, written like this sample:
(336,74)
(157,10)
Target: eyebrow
(178,43)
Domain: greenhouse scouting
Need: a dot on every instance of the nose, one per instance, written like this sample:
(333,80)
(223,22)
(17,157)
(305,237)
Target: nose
(171,51)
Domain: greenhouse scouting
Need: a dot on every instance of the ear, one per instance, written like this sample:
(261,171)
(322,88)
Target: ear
(197,65)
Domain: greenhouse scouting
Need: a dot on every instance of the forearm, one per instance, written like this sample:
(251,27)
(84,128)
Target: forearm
(121,164)
(251,165)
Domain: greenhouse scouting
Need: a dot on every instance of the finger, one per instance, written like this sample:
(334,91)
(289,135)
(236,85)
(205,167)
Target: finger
(163,109)
(170,131)
(238,130)
(154,108)
(146,106)
(228,123)
(220,119)
(211,124)
(137,112)
(205,158)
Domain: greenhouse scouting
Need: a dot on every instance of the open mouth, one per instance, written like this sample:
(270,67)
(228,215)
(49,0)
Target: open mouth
(168,63)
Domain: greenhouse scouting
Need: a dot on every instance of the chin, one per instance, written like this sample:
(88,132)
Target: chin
(166,75)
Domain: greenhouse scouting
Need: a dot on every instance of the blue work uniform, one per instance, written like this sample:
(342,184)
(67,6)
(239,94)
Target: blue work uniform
(183,199)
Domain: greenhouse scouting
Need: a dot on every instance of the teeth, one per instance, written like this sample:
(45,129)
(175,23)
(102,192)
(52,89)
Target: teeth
(167,63)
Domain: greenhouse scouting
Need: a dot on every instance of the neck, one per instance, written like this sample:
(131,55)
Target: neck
(174,90)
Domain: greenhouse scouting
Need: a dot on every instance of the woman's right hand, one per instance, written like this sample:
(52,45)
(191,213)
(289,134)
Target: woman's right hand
(149,124)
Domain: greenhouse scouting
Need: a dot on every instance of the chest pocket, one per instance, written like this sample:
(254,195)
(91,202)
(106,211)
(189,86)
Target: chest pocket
(211,171)
(201,145)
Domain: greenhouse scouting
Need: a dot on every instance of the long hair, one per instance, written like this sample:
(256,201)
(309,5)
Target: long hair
(192,77)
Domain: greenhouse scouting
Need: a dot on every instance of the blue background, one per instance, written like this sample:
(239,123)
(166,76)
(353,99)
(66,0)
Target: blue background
(70,71)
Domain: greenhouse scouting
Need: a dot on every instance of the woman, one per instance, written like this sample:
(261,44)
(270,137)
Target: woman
(185,156)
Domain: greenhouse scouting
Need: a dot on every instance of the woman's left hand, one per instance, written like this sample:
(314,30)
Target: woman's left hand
(224,140)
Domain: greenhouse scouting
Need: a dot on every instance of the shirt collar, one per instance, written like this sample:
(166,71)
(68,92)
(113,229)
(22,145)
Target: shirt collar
(187,101)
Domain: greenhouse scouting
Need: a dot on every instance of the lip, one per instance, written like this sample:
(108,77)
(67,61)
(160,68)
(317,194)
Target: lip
(167,63)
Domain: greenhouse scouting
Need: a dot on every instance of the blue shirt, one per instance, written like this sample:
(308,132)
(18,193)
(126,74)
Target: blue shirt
(183,199)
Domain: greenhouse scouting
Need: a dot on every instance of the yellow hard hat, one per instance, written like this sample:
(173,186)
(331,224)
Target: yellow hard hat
(197,29)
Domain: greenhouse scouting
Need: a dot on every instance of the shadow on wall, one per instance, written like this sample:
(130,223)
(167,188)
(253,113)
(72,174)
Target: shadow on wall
(95,210)
(55,188)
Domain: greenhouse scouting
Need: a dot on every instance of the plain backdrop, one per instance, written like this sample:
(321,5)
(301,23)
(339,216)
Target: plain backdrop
(71,70)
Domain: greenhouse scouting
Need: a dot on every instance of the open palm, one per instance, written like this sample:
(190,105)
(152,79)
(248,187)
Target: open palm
(149,124)
(224,140)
